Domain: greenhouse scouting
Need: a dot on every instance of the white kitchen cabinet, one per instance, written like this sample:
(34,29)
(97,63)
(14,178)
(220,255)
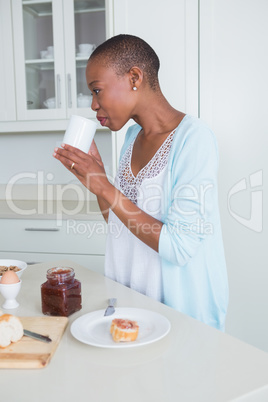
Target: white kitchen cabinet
(7,87)
(48,62)
(34,240)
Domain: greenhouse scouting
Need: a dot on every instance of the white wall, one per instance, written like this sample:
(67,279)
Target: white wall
(233,100)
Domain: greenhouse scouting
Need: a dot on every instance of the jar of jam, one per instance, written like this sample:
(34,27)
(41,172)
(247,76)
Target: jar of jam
(61,293)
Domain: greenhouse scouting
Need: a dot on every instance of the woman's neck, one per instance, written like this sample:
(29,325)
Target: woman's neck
(156,116)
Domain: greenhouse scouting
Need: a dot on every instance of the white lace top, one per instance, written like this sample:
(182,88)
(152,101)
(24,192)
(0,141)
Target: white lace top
(128,260)
(129,184)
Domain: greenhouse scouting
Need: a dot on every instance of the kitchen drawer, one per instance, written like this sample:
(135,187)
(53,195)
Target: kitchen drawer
(92,262)
(70,236)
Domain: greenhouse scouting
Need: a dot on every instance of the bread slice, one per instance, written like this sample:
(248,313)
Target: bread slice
(123,330)
(11,329)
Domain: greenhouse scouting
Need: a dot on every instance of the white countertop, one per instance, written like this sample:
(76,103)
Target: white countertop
(192,363)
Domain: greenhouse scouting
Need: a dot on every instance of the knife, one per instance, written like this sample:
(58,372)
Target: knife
(110,309)
(34,335)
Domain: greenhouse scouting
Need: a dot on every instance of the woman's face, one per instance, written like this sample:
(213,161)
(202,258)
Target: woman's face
(113,98)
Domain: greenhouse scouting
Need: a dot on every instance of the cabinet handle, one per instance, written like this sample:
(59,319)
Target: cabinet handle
(58,91)
(42,229)
(69,80)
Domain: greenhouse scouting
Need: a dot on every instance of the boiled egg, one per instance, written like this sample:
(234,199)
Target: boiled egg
(9,277)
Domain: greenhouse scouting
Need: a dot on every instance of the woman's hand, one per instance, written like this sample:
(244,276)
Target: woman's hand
(93,151)
(88,168)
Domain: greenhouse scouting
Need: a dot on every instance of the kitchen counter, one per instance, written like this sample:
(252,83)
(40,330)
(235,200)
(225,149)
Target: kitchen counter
(192,363)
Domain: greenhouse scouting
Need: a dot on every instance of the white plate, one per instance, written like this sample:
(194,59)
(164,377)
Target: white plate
(94,329)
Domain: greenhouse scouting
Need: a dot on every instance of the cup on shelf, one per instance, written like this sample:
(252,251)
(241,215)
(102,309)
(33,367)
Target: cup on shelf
(83,100)
(80,133)
(86,49)
(50,52)
(50,103)
(43,54)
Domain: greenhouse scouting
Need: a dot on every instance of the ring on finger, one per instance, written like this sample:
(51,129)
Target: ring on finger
(72,165)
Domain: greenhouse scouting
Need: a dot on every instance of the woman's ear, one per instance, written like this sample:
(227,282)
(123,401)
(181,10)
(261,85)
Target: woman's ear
(136,77)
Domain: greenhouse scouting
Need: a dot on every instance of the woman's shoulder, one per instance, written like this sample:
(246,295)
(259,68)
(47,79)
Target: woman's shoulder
(195,132)
(194,149)
(191,125)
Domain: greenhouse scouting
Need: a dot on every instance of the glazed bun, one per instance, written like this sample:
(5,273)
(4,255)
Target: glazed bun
(11,329)
(123,330)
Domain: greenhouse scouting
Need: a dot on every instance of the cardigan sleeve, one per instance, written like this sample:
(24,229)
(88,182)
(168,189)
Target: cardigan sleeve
(131,133)
(192,196)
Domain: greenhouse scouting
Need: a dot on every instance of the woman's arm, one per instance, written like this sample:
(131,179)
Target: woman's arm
(90,171)
(192,213)
(103,205)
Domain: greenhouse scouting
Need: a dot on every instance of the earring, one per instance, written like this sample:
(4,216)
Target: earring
(134,88)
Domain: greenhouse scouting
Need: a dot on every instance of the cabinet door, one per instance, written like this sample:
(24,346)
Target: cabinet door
(47,236)
(84,29)
(7,88)
(39,59)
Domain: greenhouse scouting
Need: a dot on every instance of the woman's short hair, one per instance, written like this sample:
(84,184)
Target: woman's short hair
(122,52)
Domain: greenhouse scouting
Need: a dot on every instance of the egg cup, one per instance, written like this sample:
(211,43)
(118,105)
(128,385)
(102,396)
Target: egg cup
(10,292)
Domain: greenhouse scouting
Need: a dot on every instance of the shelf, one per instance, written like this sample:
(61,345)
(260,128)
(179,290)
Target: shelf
(39,61)
(89,6)
(40,64)
(38,8)
(48,64)
(42,8)
(81,62)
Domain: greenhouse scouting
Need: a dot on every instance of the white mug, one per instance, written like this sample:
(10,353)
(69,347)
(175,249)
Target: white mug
(86,48)
(83,100)
(43,54)
(50,103)
(50,51)
(80,133)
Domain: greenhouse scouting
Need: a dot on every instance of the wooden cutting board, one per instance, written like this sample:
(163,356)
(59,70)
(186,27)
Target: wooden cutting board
(30,353)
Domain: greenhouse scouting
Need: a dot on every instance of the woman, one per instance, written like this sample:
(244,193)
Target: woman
(164,236)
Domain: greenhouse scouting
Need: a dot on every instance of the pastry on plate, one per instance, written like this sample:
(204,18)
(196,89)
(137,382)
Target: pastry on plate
(123,330)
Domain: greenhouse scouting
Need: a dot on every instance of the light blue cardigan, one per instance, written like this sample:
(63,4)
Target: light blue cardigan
(190,246)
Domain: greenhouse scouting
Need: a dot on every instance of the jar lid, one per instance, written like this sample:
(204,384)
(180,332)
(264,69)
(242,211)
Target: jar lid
(60,270)
(60,273)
